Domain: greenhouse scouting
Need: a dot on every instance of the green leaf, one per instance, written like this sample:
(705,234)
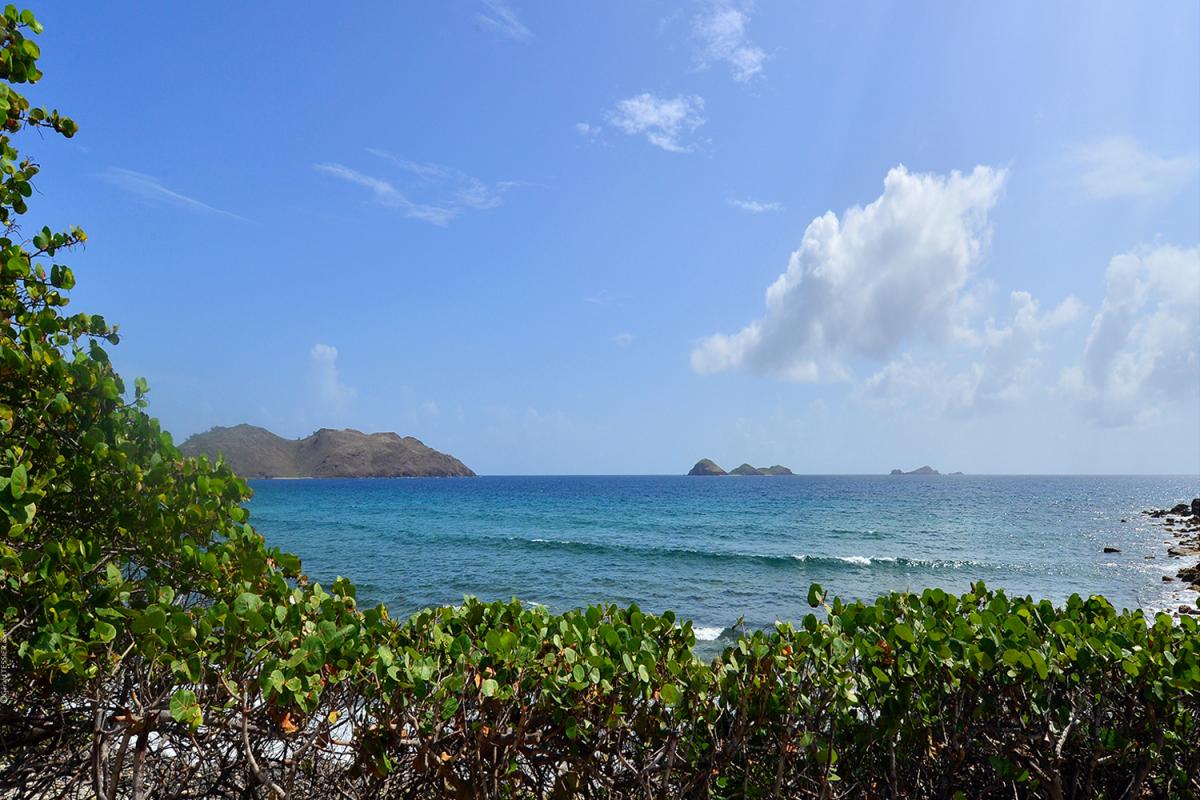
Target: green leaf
(488,687)
(103,632)
(1039,664)
(18,482)
(185,710)
(670,694)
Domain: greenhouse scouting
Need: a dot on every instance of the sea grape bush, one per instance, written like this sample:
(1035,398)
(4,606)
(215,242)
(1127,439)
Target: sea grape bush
(152,645)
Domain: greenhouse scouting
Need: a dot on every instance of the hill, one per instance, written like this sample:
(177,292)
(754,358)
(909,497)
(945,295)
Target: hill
(255,452)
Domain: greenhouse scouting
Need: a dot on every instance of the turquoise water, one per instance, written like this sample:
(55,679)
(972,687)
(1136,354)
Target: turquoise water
(716,549)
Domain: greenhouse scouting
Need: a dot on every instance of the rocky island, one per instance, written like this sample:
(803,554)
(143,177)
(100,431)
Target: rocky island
(925,470)
(706,467)
(255,452)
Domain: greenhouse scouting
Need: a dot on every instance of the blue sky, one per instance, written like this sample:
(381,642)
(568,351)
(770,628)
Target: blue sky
(618,237)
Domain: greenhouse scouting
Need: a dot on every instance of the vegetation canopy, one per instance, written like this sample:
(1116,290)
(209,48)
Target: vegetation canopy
(152,645)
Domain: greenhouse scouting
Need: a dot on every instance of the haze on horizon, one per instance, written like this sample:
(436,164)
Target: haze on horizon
(617,238)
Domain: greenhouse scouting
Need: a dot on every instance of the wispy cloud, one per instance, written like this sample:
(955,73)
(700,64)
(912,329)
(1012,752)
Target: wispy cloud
(1120,167)
(754,206)
(721,31)
(587,130)
(151,188)
(446,192)
(501,18)
(623,339)
(663,121)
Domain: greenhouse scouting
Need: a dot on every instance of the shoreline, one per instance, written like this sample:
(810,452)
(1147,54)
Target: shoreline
(1182,523)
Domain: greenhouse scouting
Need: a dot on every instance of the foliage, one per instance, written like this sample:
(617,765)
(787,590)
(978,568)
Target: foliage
(153,645)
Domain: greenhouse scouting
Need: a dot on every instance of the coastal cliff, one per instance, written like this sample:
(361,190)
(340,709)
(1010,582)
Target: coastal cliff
(255,452)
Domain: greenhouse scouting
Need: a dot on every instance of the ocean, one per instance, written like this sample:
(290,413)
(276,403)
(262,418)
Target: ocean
(720,550)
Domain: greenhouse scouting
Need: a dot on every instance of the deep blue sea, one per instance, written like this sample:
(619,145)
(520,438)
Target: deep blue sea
(719,549)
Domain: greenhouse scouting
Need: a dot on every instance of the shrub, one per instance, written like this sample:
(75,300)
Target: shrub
(152,645)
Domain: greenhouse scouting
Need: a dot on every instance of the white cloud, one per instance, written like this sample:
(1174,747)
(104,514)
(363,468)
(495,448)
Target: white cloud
(1005,370)
(1120,167)
(446,192)
(891,273)
(754,206)
(663,121)
(1143,352)
(587,130)
(329,393)
(151,188)
(721,31)
(623,339)
(501,18)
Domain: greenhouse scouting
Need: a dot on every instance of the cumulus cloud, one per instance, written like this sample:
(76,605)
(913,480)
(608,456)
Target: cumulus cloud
(721,32)
(331,396)
(444,192)
(661,120)
(1120,167)
(150,188)
(1143,351)
(501,18)
(1004,370)
(754,206)
(863,286)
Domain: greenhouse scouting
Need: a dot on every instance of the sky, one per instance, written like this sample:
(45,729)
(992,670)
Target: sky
(574,238)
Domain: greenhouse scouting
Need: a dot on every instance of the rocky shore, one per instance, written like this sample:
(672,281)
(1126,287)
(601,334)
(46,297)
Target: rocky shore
(1182,521)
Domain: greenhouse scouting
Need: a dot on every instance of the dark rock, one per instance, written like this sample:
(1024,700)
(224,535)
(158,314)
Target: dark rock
(1181,509)
(1187,610)
(1196,506)
(254,452)
(1112,549)
(1167,579)
(706,468)
(1124,520)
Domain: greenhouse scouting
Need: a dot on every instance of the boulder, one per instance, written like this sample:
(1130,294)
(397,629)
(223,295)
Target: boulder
(1196,506)
(1112,549)
(1180,509)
